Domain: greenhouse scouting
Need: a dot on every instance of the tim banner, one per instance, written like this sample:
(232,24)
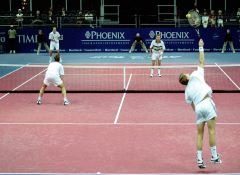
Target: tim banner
(121,39)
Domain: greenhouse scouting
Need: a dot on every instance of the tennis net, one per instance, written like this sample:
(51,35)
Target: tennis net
(116,78)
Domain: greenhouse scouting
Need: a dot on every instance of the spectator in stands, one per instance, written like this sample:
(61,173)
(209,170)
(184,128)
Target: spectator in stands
(80,18)
(63,12)
(138,40)
(19,18)
(89,17)
(195,7)
(50,16)
(38,18)
(228,39)
(41,39)
(212,18)
(205,18)
(220,19)
(12,39)
(238,15)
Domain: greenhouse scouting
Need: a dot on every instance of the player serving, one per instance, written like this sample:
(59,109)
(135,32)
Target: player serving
(54,75)
(157,48)
(54,37)
(198,93)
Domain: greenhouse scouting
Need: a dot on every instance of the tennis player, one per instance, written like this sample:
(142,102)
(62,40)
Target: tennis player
(54,37)
(198,93)
(54,75)
(157,48)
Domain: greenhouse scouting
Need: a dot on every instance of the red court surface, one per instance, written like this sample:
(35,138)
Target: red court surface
(113,132)
(154,133)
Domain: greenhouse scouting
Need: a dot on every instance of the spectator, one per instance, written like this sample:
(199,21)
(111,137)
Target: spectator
(12,39)
(238,15)
(19,18)
(50,16)
(205,18)
(195,7)
(212,18)
(38,18)
(138,40)
(80,18)
(228,39)
(89,17)
(41,39)
(63,12)
(220,19)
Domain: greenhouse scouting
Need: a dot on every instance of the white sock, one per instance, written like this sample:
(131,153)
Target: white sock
(50,59)
(214,152)
(65,99)
(159,71)
(199,155)
(39,98)
(151,71)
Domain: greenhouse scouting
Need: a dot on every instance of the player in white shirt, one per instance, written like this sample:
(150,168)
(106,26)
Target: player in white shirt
(54,75)
(199,94)
(157,48)
(54,37)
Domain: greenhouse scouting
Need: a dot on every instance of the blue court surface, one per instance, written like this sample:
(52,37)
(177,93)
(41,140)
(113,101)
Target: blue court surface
(116,57)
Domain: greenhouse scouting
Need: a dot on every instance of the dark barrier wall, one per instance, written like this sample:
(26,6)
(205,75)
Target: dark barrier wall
(120,39)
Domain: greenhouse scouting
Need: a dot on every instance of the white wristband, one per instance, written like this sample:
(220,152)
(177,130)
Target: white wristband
(201,49)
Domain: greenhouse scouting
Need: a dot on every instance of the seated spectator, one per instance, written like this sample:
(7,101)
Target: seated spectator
(19,18)
(205,18)
(238,15)
(63,12)
(89,17)
(50,16)
(80,18)
(38,18)
(212,18)
(220,19)
(195,7)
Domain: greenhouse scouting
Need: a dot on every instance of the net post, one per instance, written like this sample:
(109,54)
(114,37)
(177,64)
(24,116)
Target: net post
(124,78)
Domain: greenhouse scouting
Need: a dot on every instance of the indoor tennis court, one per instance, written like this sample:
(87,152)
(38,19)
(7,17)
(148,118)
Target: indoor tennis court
(120,121)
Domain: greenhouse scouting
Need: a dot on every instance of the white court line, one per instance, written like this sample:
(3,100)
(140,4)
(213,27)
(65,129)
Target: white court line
(228,76)
(112,124)
(123,97)
(22,84)
(121,173)
(13,71)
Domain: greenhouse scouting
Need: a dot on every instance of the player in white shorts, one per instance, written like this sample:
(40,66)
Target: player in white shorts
(157,48)
(54,75)
(199,94)
(54,37)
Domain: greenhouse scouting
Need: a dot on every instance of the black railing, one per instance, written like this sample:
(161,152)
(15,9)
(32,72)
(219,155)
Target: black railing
(106,21)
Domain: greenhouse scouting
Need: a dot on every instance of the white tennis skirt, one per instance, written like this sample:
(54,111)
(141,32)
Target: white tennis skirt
(205,110)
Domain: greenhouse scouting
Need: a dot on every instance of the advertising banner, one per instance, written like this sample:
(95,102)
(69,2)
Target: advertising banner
(121,39)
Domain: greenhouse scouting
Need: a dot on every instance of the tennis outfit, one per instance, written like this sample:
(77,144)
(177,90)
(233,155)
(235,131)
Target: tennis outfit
(54,43)
(52,76)
(199,93)
(157,49)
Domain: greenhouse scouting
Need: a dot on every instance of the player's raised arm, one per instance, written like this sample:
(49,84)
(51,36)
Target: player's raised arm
(201,53)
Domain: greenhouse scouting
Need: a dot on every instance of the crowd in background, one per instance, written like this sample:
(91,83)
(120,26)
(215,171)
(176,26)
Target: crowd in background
(210,18)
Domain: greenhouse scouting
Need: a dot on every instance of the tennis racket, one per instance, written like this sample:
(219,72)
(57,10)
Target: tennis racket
(194,19)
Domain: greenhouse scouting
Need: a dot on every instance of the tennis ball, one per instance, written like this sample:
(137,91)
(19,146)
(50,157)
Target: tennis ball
(188,15)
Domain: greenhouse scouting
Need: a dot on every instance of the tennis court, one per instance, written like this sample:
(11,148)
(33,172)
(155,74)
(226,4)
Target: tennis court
(120,120)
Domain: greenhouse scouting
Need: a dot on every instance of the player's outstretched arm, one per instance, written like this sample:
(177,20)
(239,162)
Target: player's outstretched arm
(201,53)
